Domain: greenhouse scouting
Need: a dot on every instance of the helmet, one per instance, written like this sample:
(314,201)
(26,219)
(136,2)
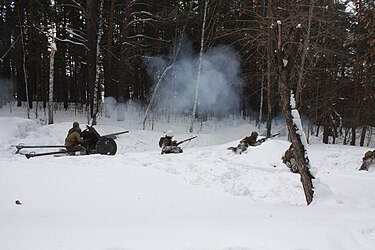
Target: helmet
(75,125)
(254,134)
(169,133)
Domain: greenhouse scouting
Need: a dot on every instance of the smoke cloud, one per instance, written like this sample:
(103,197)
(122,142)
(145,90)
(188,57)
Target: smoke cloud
(6,93)
(219,87)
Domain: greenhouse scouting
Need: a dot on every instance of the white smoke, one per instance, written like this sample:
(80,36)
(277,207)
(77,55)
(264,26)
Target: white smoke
(121,111)
(6,93)
(220,81)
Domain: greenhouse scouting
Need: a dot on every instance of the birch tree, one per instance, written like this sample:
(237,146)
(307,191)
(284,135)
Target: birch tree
(108,84)
(91,13)
(53,49)
(97,87)
(25,73)
(199,69)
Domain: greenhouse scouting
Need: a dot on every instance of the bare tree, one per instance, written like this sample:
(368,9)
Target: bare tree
(91,12)
(97,87)
(53,49)
(306,44)
(199,68)
(285,54)
(51,80)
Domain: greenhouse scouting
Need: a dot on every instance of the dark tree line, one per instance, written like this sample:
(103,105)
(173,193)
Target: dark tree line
(321,50)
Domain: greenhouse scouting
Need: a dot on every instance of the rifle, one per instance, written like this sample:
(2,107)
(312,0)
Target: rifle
(268,137)
(189,139)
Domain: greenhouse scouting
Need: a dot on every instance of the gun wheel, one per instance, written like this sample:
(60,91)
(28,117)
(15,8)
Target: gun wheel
(106,146)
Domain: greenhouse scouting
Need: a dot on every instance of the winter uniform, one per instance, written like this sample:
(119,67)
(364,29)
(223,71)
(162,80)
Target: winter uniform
(246,142)
(169,146)
(251,140)
(73,140)
(289,161)
(368,160)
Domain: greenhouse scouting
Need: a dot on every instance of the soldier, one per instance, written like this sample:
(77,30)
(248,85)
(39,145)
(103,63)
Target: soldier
(246,142)
(73,140)
(169,146)
(288,159)
(368,160)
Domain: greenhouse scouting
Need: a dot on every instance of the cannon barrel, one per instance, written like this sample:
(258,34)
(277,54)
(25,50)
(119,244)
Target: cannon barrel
(94,143)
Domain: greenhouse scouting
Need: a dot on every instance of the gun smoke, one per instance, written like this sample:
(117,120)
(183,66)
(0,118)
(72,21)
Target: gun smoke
(219,87)
(6,93)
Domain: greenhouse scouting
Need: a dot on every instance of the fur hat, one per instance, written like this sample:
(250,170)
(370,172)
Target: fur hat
(169,133)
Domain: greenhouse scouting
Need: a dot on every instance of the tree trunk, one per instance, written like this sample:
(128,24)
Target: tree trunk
(97,87)
(363,135)
(284,70)
(199,69)
(354,135)
(298,148)
(91,56)
(325,134)
(304,55)
(269,52)
(109,89)
(7,40)
(124,74)
(262,83)
(269,92)
(51,74)
(28,104)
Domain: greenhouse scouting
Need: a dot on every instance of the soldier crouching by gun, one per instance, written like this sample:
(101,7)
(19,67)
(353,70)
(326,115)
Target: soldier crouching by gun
(169,146)
(73,141)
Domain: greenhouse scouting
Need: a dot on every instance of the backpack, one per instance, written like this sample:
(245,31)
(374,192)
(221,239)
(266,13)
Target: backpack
(161,141)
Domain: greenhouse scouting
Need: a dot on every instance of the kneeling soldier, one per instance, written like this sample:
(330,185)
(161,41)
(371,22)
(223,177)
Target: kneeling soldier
(168,145)
(73,140)
(368,160)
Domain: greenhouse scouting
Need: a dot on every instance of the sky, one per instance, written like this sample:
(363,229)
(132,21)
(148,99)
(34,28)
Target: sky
(206,198)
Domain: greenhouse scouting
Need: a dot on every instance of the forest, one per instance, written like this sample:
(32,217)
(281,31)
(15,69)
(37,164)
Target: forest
(249,56)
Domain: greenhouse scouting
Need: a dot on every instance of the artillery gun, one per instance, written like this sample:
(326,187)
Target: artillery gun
(93,142)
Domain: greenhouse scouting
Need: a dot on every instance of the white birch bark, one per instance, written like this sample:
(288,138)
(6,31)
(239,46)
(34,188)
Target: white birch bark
(25,75)
(97,102)
(154,93)
(261,103)
(51,83)
(199,69)
(53,47)
(159,81)
(164,73)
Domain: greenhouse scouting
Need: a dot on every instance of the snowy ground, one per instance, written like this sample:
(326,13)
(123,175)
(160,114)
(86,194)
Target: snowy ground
(204,199)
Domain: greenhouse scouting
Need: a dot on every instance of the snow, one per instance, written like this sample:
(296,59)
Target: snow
(297,123)
(204,199)
(285,62)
